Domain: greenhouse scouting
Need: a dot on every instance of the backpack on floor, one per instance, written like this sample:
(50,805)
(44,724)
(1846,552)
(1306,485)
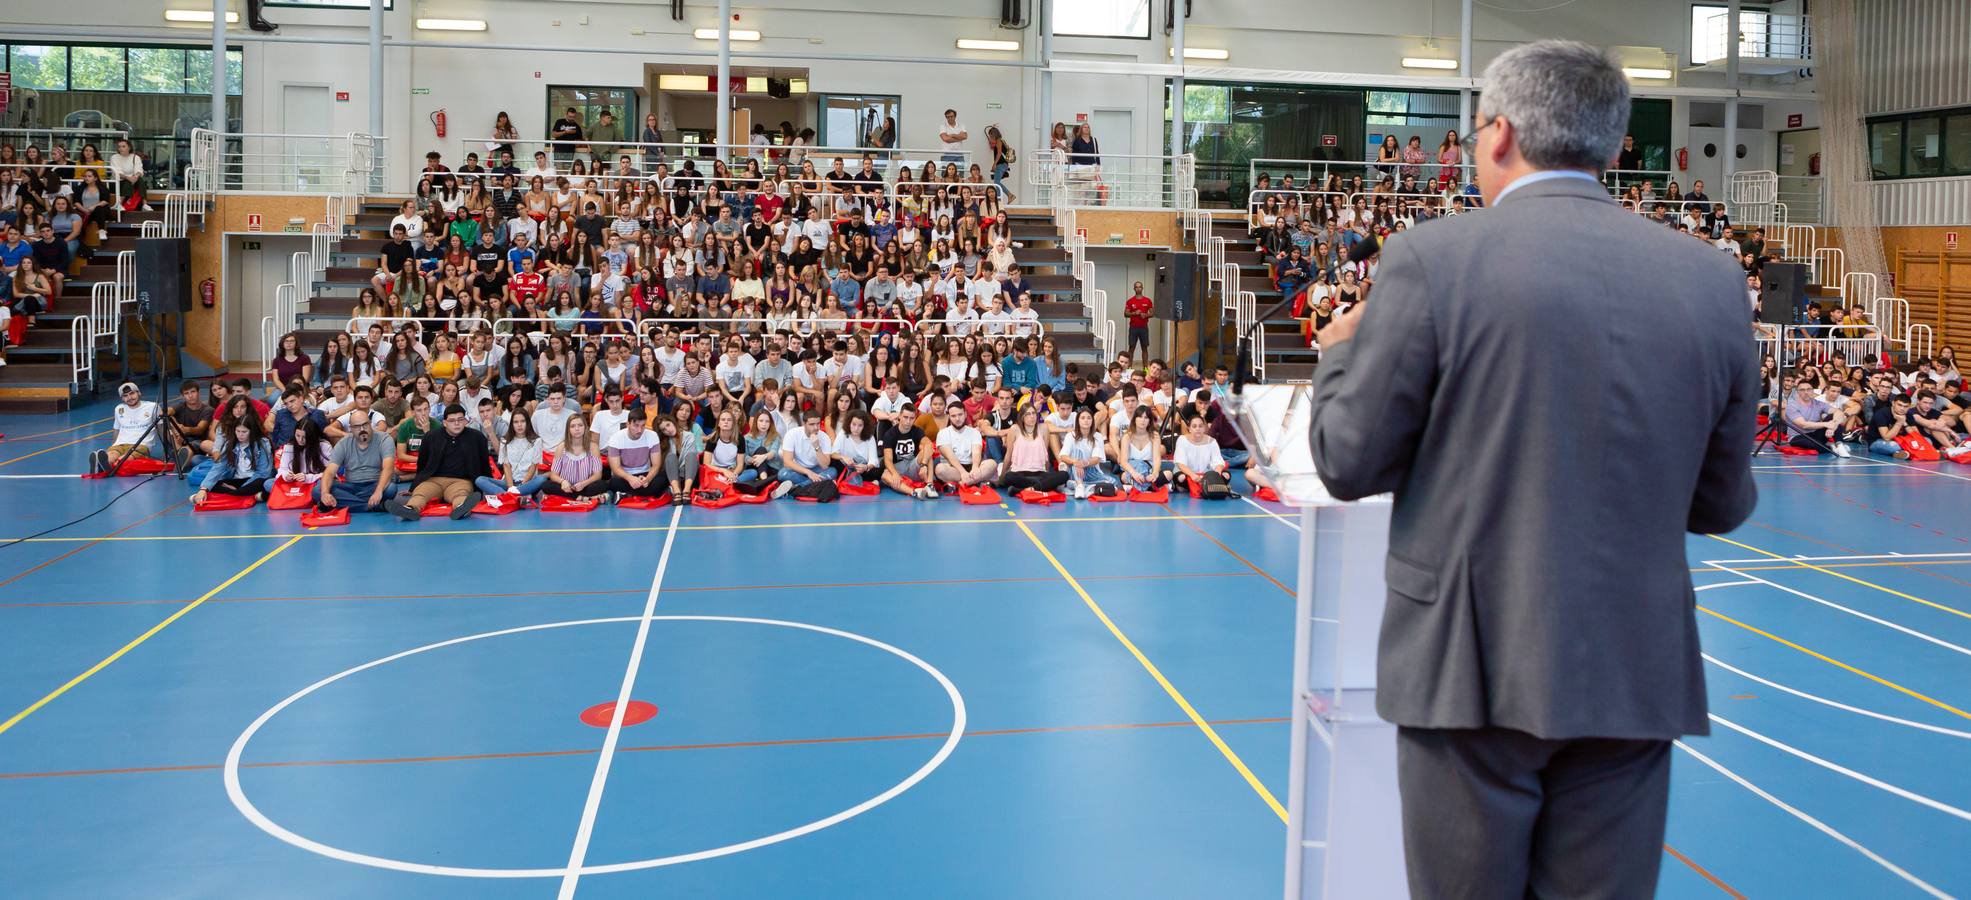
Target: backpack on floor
(1214,485)
(1918,446)
(817,492)
(291,495)
(324,519)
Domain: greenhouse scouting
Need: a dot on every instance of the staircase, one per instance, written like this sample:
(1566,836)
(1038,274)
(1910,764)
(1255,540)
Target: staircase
(40,374)
(1280,349)
(353,259)
(1057,293)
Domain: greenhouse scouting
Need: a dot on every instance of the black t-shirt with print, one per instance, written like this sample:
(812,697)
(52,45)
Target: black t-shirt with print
(901,442)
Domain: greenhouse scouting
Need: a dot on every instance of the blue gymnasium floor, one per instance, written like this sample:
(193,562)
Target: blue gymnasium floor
(221,706)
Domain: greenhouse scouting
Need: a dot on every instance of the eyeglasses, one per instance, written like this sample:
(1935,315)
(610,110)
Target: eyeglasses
(1470,142)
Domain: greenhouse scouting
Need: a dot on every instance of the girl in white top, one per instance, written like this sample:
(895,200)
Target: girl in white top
(954,365)
(412,223)
(855,447)
(961,451)
(1196,453)
(1082,451)
(1000,259)
(303,458)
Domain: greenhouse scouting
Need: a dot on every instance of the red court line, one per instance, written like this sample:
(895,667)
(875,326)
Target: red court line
(1703,871)
(680,590)
(652,748)
(17,438)
(1235,554)
(81,547)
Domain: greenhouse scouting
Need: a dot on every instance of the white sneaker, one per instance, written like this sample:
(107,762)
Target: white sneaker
(781,490)
(1841,450)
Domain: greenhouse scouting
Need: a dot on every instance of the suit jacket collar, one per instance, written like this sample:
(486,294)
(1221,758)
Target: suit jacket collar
(1577,188)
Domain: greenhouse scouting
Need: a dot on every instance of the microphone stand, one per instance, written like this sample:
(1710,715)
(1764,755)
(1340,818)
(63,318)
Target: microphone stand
(1242,363)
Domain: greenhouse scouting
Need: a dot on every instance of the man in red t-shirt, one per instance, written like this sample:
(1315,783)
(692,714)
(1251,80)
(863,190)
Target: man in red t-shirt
(1138,311)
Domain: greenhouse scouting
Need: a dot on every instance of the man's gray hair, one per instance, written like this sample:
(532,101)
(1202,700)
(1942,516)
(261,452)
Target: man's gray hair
(1568,103)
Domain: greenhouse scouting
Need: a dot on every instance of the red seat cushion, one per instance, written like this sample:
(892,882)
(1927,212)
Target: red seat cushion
(1042,498)
(558,503)
(509,503)
(218,502)
(291,495)
(1267,493)
(865,489)
(437,508)
(1117,497)
(336,516)
(1160,495)
(645,502)
(978,495)
(144,465)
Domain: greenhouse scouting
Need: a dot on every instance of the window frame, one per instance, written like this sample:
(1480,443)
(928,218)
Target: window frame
(1690,43)
(68,65)
(1941,117)
(1149,27)
(358,6)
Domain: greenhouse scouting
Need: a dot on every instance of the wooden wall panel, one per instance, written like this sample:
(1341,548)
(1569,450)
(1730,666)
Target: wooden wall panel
(228,215)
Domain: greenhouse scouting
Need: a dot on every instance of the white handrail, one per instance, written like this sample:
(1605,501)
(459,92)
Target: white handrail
(1859,287)
(1929,340)
(104,321)
(1829,267)
(1247,310)
(126,282)
(151,229)
(82,353)
(1821,342)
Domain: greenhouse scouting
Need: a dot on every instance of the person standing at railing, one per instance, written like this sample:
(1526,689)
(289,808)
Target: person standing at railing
(504,134)
(565,133)
(953,136)
(1450,156)
(1003,158)
(1629,162)
(650,136)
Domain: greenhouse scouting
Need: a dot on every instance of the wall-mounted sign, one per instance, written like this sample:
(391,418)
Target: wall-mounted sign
(415,92)
(253,221)
(1330,140)
(342,96)
(1795,120)
(1950,240)
(1142,235)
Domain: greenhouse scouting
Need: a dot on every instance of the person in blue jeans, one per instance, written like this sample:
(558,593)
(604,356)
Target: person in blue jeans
(520,464)
(361,474)
(244,463)
(1886,424)
(804,455)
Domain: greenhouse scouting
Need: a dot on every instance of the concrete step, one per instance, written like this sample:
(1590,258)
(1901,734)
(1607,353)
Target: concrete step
(1052,283)
(1278,373)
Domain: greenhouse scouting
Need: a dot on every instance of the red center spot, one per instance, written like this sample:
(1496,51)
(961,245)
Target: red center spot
(637,713)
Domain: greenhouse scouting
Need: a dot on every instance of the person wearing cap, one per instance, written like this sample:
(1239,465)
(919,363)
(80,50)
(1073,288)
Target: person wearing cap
(448,462)
(132,420)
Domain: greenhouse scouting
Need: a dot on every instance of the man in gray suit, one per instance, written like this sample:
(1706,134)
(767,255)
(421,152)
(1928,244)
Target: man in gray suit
(1539,648)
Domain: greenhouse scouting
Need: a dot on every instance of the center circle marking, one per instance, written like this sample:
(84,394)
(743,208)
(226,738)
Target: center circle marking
(260,820)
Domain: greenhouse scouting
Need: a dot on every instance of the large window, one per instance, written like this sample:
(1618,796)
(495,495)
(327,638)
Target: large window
(590,103)
(330,4)
(116,69)
(1930,144)
(1102,18)
(1710,29)
(858,120)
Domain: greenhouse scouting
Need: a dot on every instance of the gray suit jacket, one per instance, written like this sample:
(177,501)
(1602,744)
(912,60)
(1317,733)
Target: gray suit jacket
(1556,390)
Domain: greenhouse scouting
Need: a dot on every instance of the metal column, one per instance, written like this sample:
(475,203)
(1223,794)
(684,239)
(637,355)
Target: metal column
(1731,82)
(218,70)
(1046,73)
(725,75)
(1177,83)
(376,67)
(1464,69)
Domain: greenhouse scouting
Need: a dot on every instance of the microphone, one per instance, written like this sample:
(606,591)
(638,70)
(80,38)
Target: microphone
(1242,366)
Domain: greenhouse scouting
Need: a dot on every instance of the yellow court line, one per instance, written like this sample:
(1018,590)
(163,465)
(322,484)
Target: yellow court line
(1904,563)
(86,437)
(1151,667)
(126,648)
(612,529)
(1826,571)
(1835,662)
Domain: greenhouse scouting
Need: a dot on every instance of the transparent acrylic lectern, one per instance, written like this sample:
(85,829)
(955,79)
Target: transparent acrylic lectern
(1344,818)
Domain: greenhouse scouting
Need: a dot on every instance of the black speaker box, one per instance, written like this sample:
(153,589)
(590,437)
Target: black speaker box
(1783,293)
(779,88)
(164,277)
(1176,294)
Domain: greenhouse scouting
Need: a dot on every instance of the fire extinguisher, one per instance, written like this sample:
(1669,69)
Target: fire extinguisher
(438,122)
(1813,164)
(1683,159)
(208,293)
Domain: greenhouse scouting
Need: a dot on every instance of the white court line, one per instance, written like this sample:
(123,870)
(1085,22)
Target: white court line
(578,855)
(27,477)
(1925,726)
(1846,465)
(1818,825)
(1921,636)
(1276,516)
(1873,782)
(1904,465)
(1767,559)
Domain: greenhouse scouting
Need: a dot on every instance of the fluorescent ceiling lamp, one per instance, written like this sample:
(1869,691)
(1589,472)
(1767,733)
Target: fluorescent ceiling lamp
(451,24)
(978,44)
(201,16)
(756,85)
(1202,53)
(1659,74)
(797,86)
(684,82)
(712,34)
(1425,62)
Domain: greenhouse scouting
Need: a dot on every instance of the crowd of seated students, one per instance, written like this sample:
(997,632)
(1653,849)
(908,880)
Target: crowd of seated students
(1825,405)
(53,209)
(758,413)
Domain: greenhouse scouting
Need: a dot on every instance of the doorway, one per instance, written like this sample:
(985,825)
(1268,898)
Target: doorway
(304,164)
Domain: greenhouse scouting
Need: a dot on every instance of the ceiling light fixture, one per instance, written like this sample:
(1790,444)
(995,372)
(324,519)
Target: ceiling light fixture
(738,34)
(451,24)
(1426,62)
(980,44)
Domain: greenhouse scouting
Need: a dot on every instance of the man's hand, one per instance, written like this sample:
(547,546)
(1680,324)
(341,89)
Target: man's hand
(376,497)
(329,501)
(1340,328)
